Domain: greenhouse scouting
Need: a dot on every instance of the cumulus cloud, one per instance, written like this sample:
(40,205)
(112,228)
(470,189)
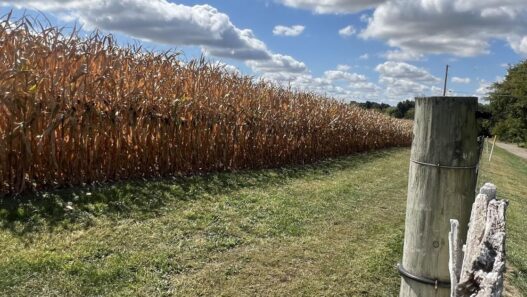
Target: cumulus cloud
(403,70)
(278,64)
(518,43)
(343,67)
(400,55)
(333,6)
(347,31)
(402,80)
(364,57)
(483,89)
(461,28)
(460,80)
(399,88)
(336,75)
(419,27)
(162,22)
(288,31)
(337,83)
(365,18)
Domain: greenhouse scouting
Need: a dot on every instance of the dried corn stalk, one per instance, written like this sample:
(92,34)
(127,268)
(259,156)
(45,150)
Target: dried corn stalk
(75,111)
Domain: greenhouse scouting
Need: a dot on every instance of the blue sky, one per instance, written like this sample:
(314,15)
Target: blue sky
(380,50)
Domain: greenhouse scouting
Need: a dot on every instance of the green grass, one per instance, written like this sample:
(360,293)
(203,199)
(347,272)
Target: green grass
(509,173)
(330,229)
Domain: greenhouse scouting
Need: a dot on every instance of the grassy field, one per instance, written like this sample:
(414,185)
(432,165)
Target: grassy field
(330,229)
(509,174)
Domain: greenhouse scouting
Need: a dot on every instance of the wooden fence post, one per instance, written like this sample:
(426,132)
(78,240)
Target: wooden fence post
(493,144)
(480,273)
(441,187)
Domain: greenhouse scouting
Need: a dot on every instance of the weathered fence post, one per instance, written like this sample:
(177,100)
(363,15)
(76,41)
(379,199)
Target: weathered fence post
(493,144)
(441,187)
(480,272)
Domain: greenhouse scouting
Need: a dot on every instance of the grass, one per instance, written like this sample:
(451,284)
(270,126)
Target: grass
(509,173)
(330,229)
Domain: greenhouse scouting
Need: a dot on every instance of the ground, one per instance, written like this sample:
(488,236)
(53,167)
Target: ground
(330,229)
(513,149)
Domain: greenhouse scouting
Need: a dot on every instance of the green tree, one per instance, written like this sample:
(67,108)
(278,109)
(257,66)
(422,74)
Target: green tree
(404,109)
(484,117)
(508,104)
(374,105)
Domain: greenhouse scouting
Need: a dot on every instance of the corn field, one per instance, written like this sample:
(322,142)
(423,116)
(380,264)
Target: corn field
(77,110)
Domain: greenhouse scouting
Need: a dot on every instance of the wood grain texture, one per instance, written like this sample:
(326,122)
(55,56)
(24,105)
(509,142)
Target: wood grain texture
(455,256)
(484,259)
(444,133)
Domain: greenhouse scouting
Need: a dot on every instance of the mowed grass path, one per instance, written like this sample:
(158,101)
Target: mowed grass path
(330,229)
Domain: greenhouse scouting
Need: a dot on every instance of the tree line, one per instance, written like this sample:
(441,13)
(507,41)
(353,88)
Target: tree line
(508,105)
(403,110)
(503,113)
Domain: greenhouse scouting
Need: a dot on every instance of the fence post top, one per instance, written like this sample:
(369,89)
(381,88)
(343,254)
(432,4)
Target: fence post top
(448,98)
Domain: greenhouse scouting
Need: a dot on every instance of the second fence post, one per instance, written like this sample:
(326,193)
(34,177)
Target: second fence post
(441,185)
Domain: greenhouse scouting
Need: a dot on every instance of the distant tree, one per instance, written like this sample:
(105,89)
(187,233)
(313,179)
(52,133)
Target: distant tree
(374,105)
(404,110)
(484,117)
(382,107)
(508,105)
(410,113)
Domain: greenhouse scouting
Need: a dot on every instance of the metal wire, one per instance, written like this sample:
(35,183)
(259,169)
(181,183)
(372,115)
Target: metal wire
(420,279)
(444,166)
(434,282)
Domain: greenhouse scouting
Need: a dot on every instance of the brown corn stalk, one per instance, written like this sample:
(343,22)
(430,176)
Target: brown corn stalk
(75,111)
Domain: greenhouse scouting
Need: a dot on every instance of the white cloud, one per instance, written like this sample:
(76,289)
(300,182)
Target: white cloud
(406,71)
(460,80)
(343,67)
(333,6)
(518,43)
(365,18)
(175,24)
(335,75)
(436,91)
(288,31)
(402,80)
(334,83)
(461,28)
(162,22)
(483,89)
(278,64)
(364,57)
(347,31)
(400,55)
(403,88)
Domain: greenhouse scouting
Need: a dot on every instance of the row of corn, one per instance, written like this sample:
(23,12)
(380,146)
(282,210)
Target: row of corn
(76,111)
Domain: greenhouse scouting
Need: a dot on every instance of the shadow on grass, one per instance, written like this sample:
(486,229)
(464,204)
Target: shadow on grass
(79,207)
